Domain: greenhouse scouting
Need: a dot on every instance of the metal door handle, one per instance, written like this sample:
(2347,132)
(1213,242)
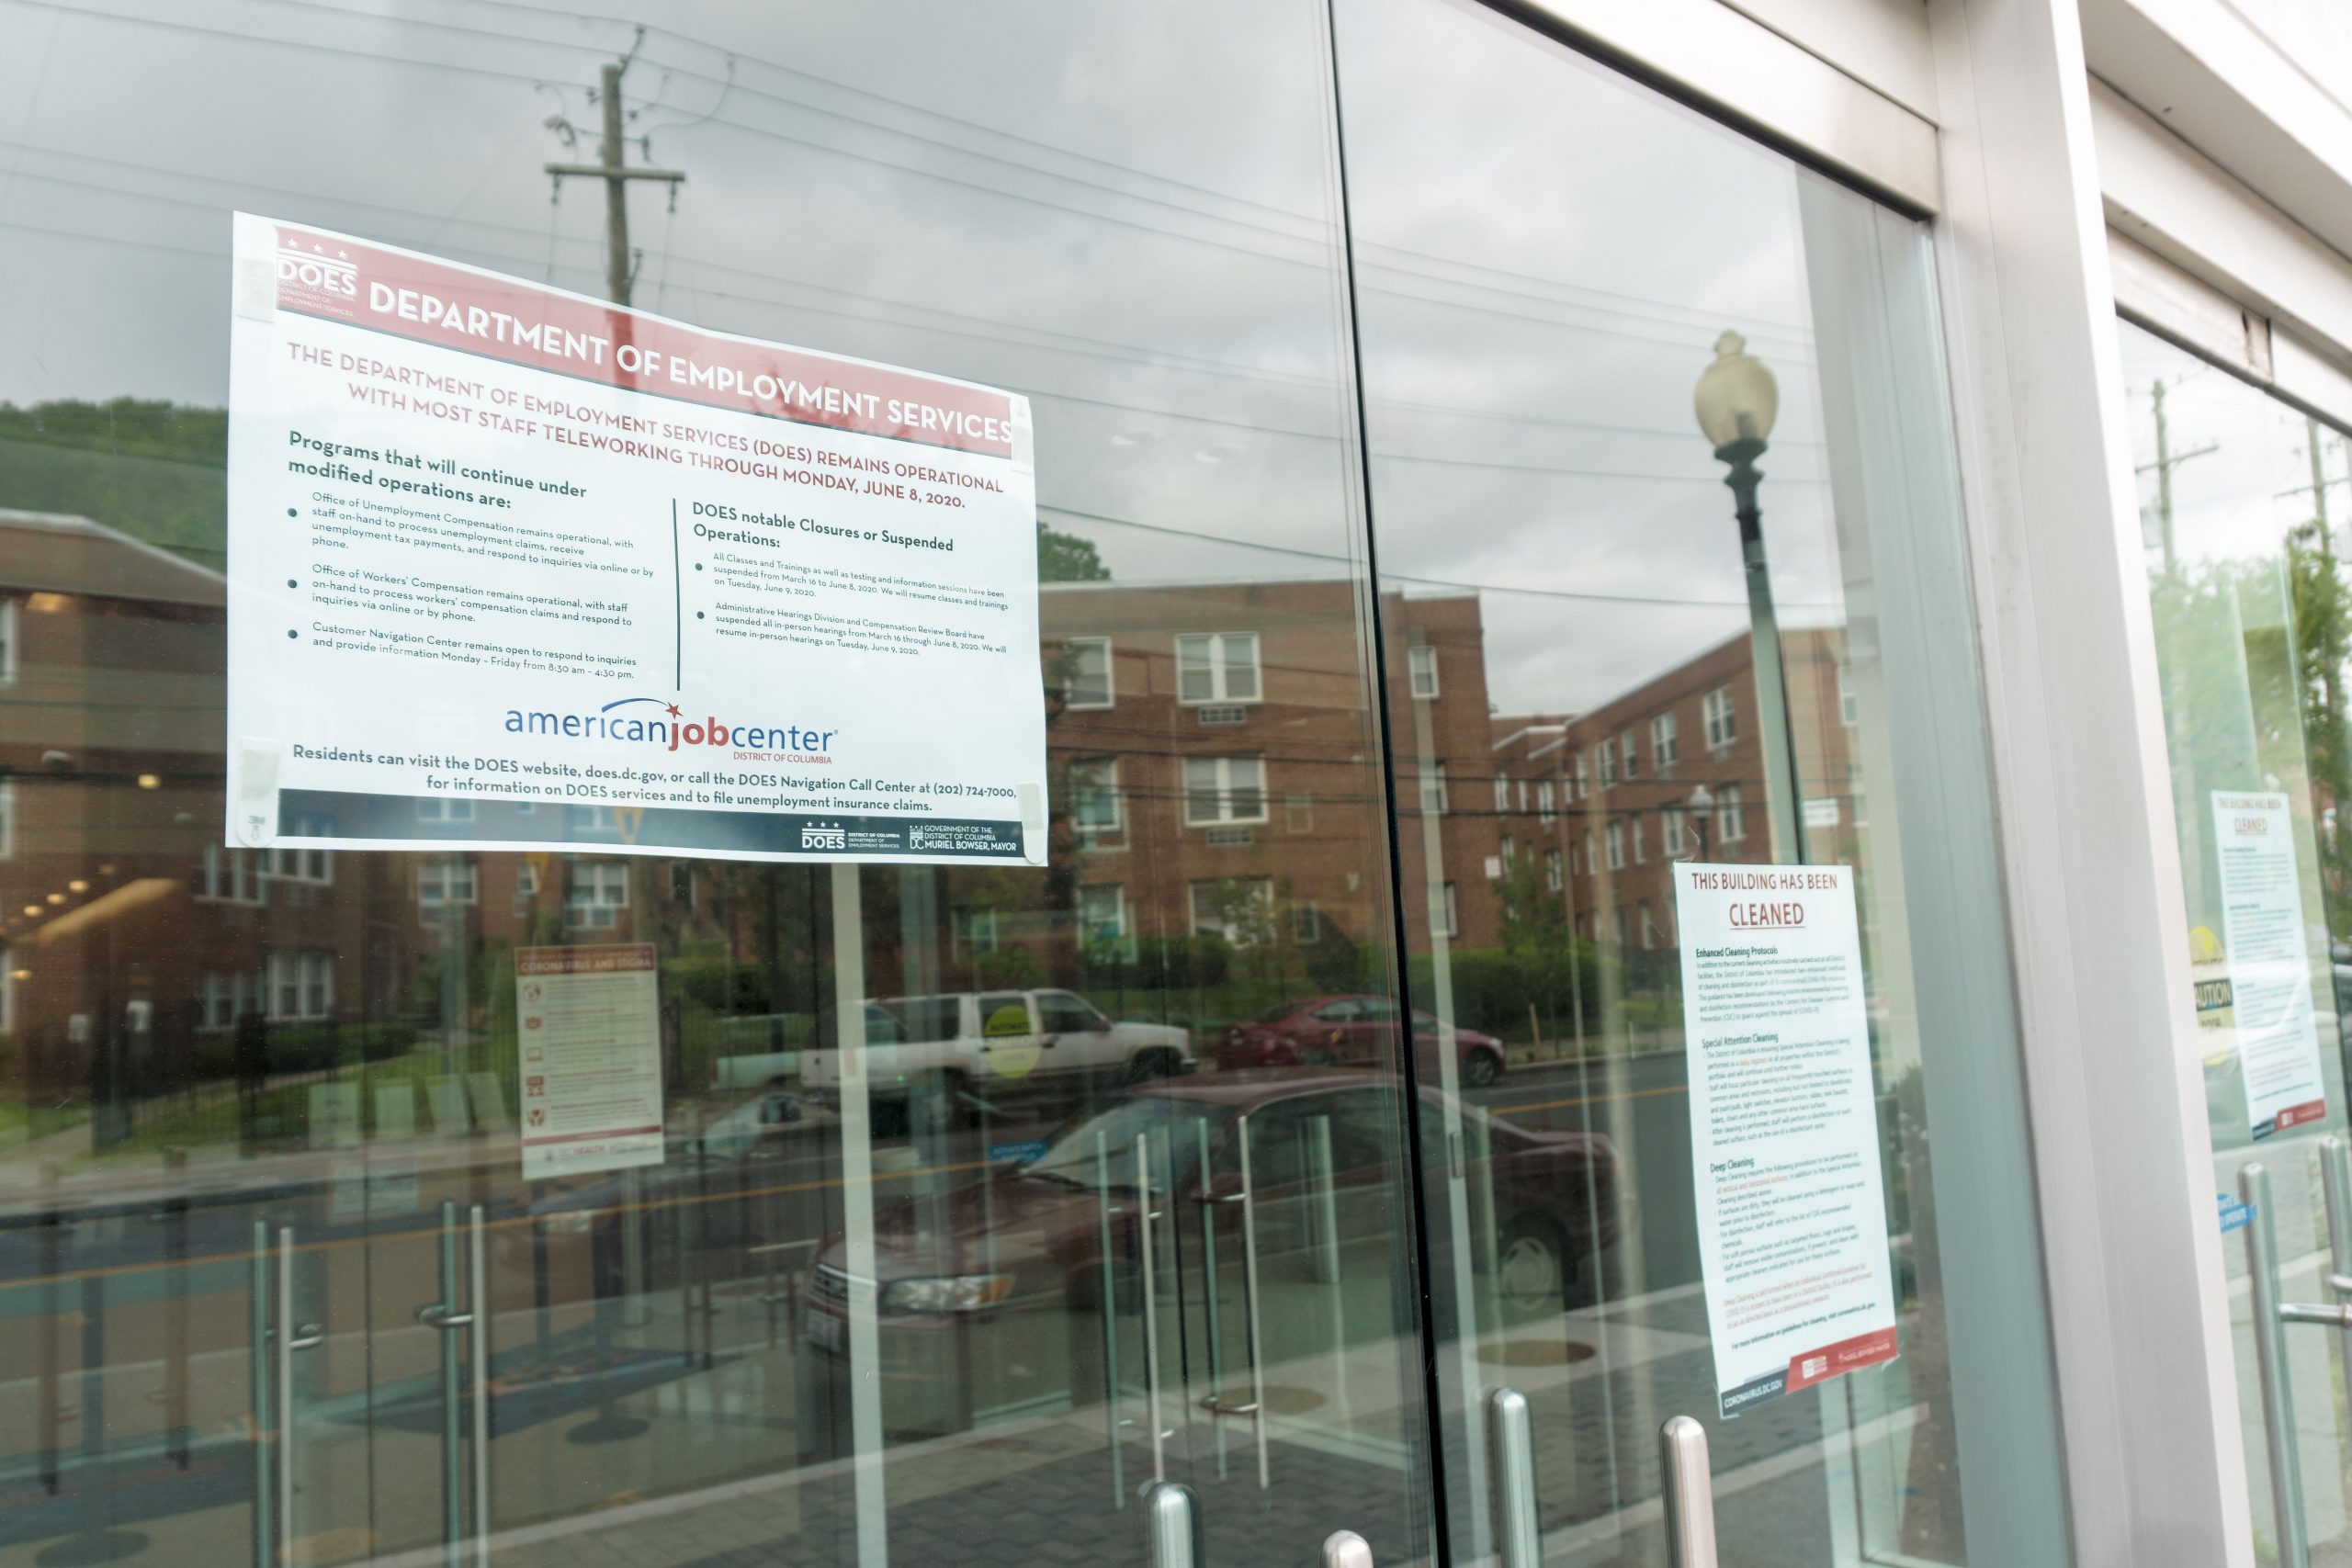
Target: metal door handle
(261,1397)
(289,1339)
(1249,1196)
(1112,1393)
(1145,1214)
(2270,1314)
(474,1321)
(1689,1494)
(477,1314)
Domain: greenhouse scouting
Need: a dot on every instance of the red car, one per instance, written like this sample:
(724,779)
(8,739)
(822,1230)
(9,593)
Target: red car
(1357,1030)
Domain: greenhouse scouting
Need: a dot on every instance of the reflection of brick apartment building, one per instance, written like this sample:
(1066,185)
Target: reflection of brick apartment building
(577,894)
(131,934)
(1672,770)
(1220,762)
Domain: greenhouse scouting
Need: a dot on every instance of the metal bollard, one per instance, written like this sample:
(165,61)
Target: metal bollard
(1345,1549)
(1689,1494)
(1519,1542)
(1172,1519)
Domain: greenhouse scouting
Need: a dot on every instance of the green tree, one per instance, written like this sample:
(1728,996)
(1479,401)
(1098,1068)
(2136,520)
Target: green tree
(1537,933)
(2323,620)
(1066,557)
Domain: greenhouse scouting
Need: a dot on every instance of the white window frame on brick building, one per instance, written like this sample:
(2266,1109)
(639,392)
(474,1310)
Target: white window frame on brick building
(1224,790)
(1218,667)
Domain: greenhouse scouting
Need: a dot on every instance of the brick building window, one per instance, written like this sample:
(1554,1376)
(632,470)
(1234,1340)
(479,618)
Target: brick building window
(1217,667)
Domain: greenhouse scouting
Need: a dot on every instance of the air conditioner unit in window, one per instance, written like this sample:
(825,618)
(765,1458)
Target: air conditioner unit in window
(1224,716)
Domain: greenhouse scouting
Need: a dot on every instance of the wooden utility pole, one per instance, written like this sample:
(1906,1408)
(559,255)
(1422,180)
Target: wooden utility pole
(620,269)
(2167,461)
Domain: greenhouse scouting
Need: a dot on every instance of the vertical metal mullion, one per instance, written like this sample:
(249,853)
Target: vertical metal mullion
(1377,686)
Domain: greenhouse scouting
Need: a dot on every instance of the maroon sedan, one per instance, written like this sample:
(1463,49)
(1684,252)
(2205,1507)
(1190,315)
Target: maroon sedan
(1267,1197)
(1351,1030)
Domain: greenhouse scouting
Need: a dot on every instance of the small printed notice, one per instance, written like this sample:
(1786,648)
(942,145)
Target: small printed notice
(1790,1201)
(2270,971)
(589,1029)
(510,567)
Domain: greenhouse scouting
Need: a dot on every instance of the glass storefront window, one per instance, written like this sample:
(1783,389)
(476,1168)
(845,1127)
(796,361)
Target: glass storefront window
(1322,1076)
(2240,497)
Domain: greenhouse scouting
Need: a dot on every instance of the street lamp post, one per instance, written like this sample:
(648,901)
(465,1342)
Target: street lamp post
(1736,402)
(1702,806)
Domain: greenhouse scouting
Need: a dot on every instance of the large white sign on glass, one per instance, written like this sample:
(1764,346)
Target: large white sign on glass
(511,567)
(1792,1204)
(2270,972)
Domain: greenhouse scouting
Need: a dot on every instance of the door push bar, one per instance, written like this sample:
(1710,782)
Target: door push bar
(290,1338)
(474,1323)
(2271,1316)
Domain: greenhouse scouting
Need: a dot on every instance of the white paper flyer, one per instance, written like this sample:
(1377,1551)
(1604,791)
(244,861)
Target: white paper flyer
(1792,1205)
(589,1041)
(511,566)
(2270,971)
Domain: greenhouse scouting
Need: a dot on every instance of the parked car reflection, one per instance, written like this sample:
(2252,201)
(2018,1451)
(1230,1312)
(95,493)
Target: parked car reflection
(1350,1030)
(990,1295)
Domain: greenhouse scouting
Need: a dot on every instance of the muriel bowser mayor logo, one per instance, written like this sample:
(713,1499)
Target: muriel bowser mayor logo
(658,722)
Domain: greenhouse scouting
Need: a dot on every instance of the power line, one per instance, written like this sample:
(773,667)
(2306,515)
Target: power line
(1327,558)
(1794,337)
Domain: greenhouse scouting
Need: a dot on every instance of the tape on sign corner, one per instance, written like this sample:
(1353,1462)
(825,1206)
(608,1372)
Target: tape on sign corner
(253,814)
(1033,823)
(1025,438)
(255,283)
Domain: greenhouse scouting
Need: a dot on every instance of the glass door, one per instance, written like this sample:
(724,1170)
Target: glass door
(2240,500)
(1694,841)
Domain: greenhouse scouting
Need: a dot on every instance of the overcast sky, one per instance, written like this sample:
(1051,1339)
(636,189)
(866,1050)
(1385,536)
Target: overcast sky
(1129,213)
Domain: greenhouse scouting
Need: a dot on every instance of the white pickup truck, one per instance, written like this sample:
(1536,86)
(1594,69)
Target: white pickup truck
(963,1046)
